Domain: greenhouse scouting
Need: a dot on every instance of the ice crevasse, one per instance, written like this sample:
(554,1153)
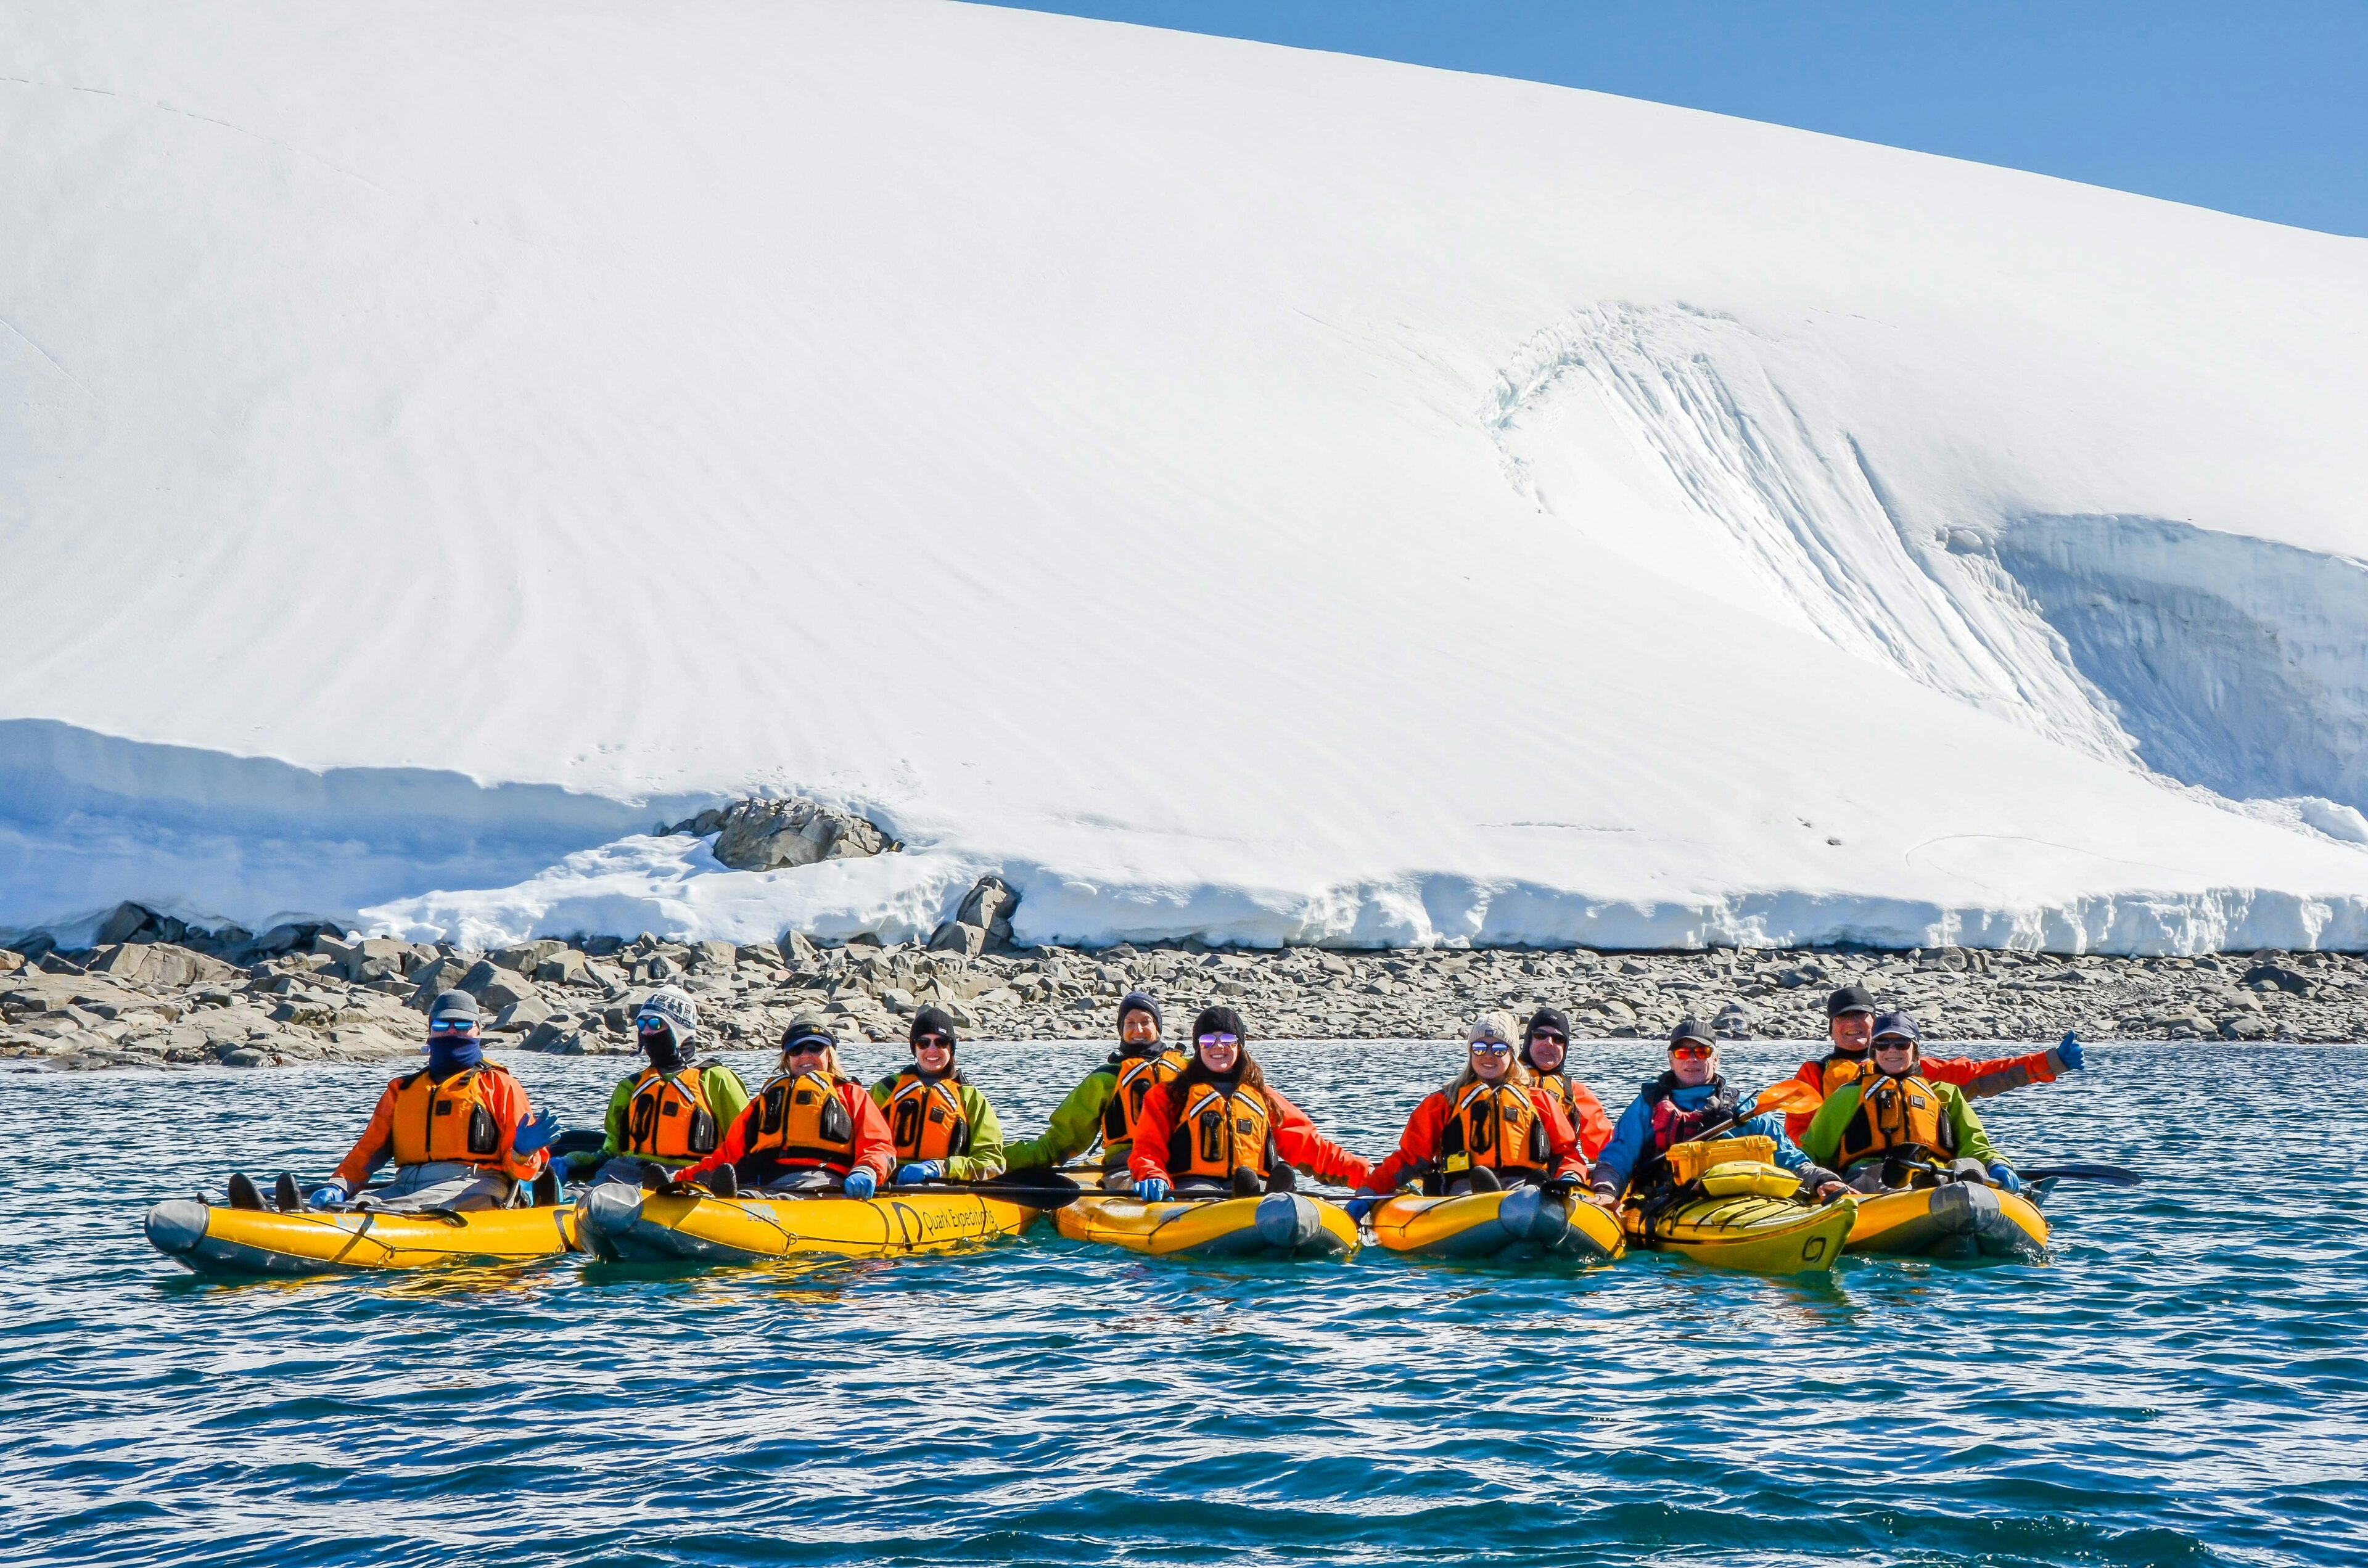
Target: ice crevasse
(1226,491)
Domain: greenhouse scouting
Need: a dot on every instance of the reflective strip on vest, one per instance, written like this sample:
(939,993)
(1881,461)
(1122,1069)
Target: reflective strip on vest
(926,1118)
(1897,1113)
(1219,1133)
(1495,1125)
(798,1118)
(1137,1076)
(447,1121)
(669,1117)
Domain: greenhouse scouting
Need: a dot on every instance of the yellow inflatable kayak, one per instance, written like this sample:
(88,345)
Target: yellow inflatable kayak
(1278,1224)
(1520,1223)
(1750,1232)
(626,1224)
(1961,1220)
(265,1240)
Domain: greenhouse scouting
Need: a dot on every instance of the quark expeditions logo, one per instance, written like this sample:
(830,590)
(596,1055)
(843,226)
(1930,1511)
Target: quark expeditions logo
(917,1229)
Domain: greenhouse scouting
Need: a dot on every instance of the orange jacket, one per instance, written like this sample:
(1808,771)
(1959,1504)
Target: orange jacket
(506,1101)
(1588,1118)
(1979,1080)
(1419,1145)
(875,1147)
(1295,1139)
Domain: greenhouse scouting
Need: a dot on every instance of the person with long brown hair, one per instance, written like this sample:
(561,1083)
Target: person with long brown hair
(1492,1127)
(1219,1128)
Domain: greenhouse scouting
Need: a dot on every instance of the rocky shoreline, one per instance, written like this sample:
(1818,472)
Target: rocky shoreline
(151,1003)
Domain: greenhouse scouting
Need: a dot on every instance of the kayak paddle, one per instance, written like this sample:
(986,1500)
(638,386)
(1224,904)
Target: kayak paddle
(2113,1176)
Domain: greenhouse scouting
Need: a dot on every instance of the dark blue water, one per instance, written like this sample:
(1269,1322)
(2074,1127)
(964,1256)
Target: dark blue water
(2186,1382)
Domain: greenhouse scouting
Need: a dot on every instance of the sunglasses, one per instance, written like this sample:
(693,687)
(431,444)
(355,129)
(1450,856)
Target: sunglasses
(453,1026)
(943,1041)
(1894,1042)
(1491,1048)
(806,1047)
(1220,1039)
(1693,1052)
(652,1025)
(1548,1037)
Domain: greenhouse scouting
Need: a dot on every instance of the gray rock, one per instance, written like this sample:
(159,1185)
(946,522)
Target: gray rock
(521,1014)
(507,990)
(565,967)
(721,956)
(957,936)
(770,835)
(525,957)
(989,905)
(799,951)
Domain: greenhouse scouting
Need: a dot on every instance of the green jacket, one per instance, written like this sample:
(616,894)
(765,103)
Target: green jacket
(1077,1124)
(1823,1141)
(985,1156)
(727,1096)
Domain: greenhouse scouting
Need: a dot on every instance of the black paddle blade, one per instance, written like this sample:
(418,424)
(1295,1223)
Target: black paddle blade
(1038,1189)
(578,1141)
(2111,1175)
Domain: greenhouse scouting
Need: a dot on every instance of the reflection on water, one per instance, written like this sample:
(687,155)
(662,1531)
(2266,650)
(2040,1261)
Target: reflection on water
(2183,1383)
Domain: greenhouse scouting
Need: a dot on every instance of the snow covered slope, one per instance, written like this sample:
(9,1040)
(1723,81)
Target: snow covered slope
(1225,489)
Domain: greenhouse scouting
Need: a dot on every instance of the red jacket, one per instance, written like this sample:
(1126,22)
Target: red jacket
(875,1147)
(1979,1080)
(1587,1116)
(1295,1139)
(1419,1145)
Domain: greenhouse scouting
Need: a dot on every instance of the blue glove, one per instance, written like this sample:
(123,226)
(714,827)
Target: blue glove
(918,1172)
(327,1196)
(2067,1050)
(1153,1189)
(860,1183)
(536,1132)
(2004,1176)
(1359,1208)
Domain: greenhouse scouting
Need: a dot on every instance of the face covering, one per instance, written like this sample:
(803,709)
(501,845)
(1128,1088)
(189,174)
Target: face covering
(664,1053)
(448,1054)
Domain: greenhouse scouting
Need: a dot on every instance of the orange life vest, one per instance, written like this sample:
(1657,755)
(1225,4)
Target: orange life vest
(668,1117)
(1897,1113)
(1837,1070)
(926,1118)
(1494,1125)
(1137,1075)
(1557,1087)
(1219,1131)
(799,1119)
(445,1122)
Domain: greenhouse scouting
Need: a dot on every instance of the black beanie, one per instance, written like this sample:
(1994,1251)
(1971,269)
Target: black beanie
(933,1020)
(1139,1002)
(1544,1017)
(1220,1020)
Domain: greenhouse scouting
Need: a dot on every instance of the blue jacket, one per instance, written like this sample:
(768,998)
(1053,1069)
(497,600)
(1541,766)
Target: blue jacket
(1630,1139)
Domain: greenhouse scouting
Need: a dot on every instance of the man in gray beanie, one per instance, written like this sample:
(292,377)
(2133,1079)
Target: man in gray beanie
(460,1130)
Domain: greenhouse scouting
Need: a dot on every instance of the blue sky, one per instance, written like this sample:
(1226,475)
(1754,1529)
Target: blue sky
(2259,109)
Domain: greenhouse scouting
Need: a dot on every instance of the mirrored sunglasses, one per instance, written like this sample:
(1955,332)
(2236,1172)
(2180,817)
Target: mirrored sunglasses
(1692,1053)
(1220,1039)
(1491,1048)
(452,1026)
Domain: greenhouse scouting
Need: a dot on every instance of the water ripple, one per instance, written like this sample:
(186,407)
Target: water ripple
(2185,1383)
